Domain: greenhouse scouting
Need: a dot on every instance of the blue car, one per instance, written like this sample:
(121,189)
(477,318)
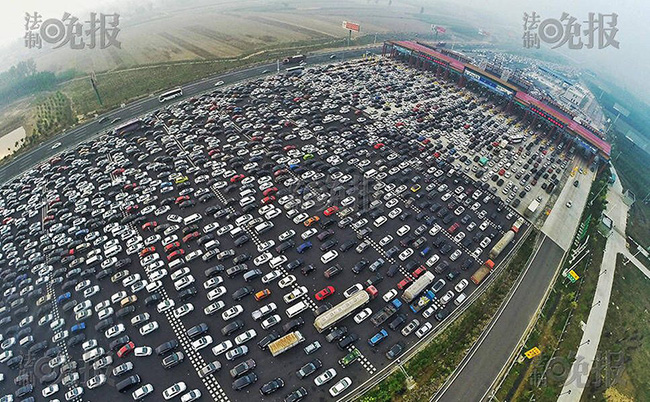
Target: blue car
(304,247)
(78,327)
(378,337)
(166,184)
(63,297)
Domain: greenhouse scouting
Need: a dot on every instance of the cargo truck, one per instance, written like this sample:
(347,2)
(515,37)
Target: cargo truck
(501,245)
(517,225)
(344,309)
(532,208)
(482,272)
(385,313)
(423,301)
(294,59)
(285,343)
(417,287)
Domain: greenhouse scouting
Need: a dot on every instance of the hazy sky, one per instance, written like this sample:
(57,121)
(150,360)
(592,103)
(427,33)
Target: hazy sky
(630,64)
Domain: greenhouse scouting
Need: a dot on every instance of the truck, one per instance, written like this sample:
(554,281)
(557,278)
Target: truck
(344,309)
(517,225)
(532,208)
(294,59)
(482,272)
(417,287)
(501,244)
(350,358)
(285,343)
(423,301)
(385,313)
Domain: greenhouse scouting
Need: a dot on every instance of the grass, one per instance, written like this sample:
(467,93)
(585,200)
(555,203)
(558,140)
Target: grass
(431,366)
(632,163)
(624,350)
(558,331)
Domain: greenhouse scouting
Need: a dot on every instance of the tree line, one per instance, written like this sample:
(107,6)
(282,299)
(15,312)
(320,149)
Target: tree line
(24,79)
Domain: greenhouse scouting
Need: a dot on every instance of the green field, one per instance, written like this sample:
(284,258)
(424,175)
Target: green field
(621,371)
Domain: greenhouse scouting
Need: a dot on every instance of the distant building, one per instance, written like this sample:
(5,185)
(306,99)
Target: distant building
(575,95)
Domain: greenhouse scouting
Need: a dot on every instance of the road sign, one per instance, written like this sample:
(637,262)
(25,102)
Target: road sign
(533,352)
(351,26)
(572,276)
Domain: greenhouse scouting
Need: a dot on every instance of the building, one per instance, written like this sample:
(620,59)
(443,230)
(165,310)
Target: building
(575,95)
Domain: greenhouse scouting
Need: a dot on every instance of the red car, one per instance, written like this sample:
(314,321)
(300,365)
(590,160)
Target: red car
(48,218)
(118,171)
(236,178)
(175,255)
(270,191)
(379,145)
(149,226)
(280,172)
(190,236)
(129,186)
(126,349)
(325,293)
(172,246)
(331,210)
(147,250)
(268,200)
(131,209)
(419,271)
(404,283)
(289,147)
(181,199)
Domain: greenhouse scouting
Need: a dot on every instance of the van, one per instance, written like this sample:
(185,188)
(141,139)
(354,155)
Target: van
(296,309)
(461,298)
(370,173)
(113,251)
(94,260)
(125,385)
(175,264)
(192,219)
(277,261)
(236,232)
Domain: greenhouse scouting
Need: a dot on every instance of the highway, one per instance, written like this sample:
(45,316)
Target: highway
(140,107)
(490,353)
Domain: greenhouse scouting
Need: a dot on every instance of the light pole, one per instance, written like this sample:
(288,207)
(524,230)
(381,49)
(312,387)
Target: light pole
(596,304)
(585,342)
(568,392)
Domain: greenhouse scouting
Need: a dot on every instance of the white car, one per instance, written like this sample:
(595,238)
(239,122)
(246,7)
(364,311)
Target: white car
(212,282)
(262,258)
(202,342)
(286,281)
(232,312)
(165,305)
(426,327)
(287,235)
(149,328)
(216,293)
(362,315)
(214,307)
(294,294)
(388,296)
(385,240)
(142,351)
(271,321)
(114,331)
(404,255)
(265,246)
(264,311)
(96,381)
(245,336)
(403,230)
(183,310)
(50,390)
(174,390)
(142,392)
(461,285)
(340,386)
(329,256)
(309,233)
(271,276)
(223,347)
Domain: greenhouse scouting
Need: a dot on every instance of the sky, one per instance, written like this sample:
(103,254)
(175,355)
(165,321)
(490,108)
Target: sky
(628,65)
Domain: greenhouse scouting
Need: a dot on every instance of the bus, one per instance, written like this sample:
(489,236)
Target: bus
(171,94)
(297,70)
(128,127)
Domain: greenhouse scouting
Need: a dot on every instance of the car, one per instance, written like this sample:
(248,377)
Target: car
(338,388)
(173,360)
(362,315)
(193,395)
(395,351)
(378,337)
(272,386)
(209,368)
(244,381)
(324,293)
(309,368)
(296,395)
(174,390)
(142,392)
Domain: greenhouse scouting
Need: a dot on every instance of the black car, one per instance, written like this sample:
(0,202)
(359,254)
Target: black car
(309,368)
(116,344)
(360,266)
(242,292)
(347,245)
(166,347)
(306,270)
(188,293)
(395,351)
(294,264)
(322,308)
(347,341)
(243,368)
(272,386)
(197,330)
(230,328)
(244,381)
(153,299)
(264,342)
(296,395)
(293,325)
(336,334)
(214,271)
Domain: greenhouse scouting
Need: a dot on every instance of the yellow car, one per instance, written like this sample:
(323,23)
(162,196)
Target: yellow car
(181,179)
(311,221)
(416,188)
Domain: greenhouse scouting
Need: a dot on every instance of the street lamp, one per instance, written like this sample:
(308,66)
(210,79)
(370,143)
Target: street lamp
(596,304)
(565,393)
(585,342)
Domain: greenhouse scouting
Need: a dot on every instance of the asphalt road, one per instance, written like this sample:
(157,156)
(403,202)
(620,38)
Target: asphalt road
(142,106)
(486,359)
